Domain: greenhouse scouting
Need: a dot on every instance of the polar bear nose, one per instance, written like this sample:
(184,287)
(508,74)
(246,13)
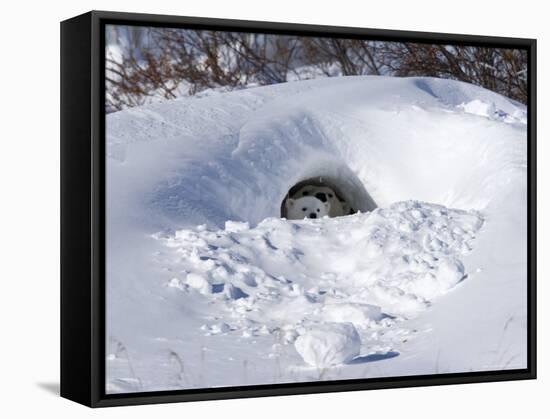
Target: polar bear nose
(312,215)
(321,197)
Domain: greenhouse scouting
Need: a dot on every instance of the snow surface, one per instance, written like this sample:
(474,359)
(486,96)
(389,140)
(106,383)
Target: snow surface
(207,286)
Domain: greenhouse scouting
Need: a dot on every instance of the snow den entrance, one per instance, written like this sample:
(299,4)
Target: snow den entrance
(340,195)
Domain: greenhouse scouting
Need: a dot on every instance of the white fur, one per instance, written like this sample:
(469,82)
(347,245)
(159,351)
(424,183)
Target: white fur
(304,207)
(337,207)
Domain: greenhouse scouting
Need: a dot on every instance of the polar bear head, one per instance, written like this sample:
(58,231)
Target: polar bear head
(306,207)
(325,194)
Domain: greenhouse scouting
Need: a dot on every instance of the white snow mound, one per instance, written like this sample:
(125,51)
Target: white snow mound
(329,344)
(358,268)
(207,286)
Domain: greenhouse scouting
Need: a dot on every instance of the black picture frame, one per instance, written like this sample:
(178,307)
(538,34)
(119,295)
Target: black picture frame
(83,210)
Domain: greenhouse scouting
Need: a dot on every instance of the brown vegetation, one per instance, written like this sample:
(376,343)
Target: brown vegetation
(162,62)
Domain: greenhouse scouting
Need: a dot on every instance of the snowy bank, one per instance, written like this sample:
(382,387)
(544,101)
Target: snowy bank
(216,290)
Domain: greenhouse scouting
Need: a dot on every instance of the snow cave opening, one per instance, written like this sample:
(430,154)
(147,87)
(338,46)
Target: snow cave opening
(350,197)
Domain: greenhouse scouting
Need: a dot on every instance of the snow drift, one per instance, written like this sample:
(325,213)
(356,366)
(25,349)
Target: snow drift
(206,286)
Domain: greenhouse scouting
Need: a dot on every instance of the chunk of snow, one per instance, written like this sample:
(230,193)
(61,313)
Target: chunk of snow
(328,344)
(176,283)
(199,283)
(235,226)
(216,328)
(477,107)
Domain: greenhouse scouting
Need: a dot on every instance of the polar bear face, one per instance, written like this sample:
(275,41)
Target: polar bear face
(306,207)
(325,194)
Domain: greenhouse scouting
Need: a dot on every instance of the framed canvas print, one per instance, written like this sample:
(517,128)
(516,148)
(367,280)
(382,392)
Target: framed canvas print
(254,209)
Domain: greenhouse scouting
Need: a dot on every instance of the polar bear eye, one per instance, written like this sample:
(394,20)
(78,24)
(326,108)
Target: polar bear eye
(305,193)
(304,209)
(330,195)
(318,210)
